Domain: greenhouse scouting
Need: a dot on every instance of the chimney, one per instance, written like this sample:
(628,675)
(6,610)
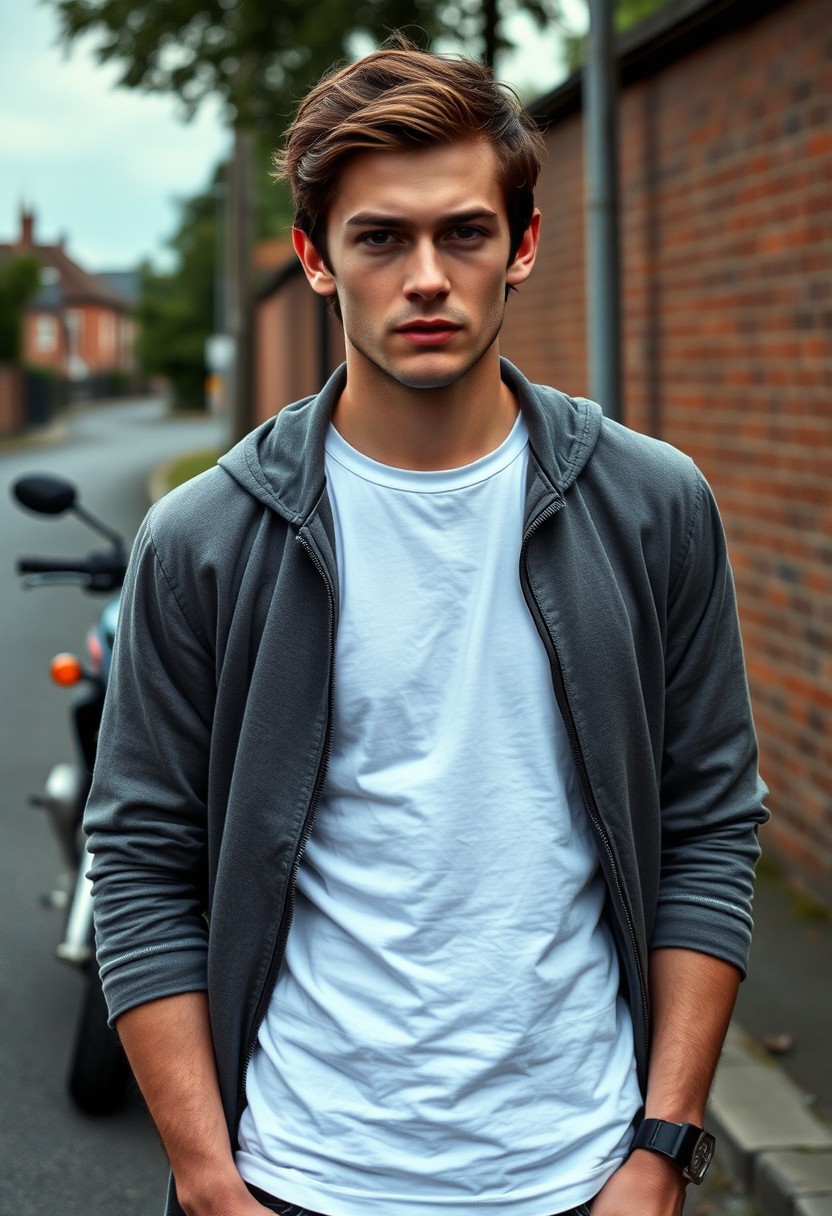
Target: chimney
(27,228)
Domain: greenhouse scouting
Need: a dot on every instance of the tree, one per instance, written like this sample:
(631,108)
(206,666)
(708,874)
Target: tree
(179,308)
(176,308)
(627,14)
(19,280)
(257,58)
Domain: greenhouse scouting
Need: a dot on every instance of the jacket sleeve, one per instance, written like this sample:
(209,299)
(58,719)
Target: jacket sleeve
(146,815)
(711,794)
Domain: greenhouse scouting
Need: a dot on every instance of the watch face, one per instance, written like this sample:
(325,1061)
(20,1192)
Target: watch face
(701,1158)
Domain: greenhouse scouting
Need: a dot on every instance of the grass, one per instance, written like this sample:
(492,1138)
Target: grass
(804,906)
(190,465)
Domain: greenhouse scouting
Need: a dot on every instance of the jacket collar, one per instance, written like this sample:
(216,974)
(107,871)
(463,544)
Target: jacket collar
(281,463)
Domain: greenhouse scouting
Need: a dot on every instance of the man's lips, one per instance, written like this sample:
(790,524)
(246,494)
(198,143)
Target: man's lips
(428,333)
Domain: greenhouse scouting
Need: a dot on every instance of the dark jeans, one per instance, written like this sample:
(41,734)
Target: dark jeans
(290,1209)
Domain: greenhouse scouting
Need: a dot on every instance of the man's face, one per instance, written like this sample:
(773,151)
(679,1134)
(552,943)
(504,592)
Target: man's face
(418,246)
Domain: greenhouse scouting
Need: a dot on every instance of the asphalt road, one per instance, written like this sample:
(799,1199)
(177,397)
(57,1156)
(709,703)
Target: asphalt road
(53,1160)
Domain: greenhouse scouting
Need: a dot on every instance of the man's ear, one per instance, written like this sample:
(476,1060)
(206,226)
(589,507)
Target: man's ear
(315,268)
(523,264)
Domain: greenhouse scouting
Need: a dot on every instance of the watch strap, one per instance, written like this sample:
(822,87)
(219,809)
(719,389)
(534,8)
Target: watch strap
(689,1147)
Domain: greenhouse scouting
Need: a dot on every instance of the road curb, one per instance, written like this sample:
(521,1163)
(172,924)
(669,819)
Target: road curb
(36,438)
(769,1140)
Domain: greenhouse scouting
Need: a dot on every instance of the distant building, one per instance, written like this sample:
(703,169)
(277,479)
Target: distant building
(78,324)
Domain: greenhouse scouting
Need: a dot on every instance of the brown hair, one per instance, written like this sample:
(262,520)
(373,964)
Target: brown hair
(402,97)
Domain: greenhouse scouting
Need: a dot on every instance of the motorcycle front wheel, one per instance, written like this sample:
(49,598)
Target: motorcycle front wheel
(99,1074)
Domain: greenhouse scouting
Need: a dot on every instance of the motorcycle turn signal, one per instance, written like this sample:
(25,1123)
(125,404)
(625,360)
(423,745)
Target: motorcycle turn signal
(66,670)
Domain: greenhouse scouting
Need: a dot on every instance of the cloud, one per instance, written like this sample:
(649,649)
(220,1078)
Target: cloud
(100,163)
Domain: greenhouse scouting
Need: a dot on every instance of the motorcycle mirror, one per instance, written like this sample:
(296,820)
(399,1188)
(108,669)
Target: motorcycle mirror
(45,493)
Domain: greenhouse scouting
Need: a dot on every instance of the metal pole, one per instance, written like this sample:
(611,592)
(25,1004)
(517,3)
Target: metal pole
(603,315)
(241,308)
(220,193)
(491,25)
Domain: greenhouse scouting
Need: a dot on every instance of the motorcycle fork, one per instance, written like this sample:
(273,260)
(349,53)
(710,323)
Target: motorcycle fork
(78,936)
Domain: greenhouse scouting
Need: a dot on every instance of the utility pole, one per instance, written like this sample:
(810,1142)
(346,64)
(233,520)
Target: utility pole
(491,24)
(240,303)
(603,289)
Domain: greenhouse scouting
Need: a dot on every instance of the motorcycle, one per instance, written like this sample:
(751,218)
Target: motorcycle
(99,1074)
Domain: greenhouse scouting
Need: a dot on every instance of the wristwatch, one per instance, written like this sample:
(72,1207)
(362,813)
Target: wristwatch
(689,1147)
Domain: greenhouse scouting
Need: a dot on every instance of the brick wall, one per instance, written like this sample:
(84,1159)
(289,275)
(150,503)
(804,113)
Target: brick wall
(286,344)
(11,401)
(726,175)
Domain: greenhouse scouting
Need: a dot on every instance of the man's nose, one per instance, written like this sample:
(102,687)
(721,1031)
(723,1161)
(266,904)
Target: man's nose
(426,274)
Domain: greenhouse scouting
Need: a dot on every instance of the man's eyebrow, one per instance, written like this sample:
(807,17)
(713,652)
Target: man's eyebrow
(368,219)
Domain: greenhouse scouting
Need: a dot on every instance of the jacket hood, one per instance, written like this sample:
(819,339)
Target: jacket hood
(281,463)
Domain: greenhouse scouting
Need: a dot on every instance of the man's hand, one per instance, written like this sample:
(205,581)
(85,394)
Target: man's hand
(168,1043)
(692,996)
(235,1200)
(645,1185)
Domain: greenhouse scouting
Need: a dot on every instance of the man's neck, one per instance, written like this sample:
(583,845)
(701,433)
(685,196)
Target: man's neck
(425,428)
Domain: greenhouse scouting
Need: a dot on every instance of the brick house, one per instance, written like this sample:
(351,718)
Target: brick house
(77,324)
(726,224)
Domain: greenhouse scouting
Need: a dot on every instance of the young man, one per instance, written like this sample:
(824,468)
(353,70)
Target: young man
(425,811)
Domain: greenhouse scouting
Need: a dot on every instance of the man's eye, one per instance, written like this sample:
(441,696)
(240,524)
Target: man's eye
(377,239)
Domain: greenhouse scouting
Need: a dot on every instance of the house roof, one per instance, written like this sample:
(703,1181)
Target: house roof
(70,284)
(126,282)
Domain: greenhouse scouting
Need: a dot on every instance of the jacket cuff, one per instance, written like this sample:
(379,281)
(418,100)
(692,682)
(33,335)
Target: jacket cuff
(136,979)
(706,926)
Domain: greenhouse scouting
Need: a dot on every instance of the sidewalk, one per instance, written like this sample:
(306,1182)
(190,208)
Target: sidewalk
(772,1115)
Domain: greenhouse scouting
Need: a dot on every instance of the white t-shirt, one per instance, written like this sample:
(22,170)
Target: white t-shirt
(446,1032)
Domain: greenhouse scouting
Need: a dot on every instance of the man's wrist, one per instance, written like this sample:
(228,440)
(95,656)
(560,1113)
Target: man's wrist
(686,1146)
(204,1192)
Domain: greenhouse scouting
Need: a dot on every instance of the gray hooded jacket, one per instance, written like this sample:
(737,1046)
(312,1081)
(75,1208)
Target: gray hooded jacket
(214,742)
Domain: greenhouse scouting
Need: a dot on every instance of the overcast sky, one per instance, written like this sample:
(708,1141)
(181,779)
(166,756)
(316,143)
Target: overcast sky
(103,166)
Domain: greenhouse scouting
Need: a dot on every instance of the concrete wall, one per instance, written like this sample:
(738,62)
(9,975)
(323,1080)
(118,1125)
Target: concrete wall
(726,174)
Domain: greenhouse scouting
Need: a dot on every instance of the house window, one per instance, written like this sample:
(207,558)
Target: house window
(75,326)
(107,336)
(46,333)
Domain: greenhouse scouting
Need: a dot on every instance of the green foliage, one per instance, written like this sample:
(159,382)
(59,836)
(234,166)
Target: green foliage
(185,467)
(630,12)
(19,280)
(176,308)
(627,14)
(272,200)
(258,57)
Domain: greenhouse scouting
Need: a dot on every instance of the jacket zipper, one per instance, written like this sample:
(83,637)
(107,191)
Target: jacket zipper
(580,765)
(289,910)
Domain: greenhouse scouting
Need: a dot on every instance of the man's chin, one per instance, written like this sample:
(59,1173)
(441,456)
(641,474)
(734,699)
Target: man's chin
(427,380)
(429,372)
(424,370)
